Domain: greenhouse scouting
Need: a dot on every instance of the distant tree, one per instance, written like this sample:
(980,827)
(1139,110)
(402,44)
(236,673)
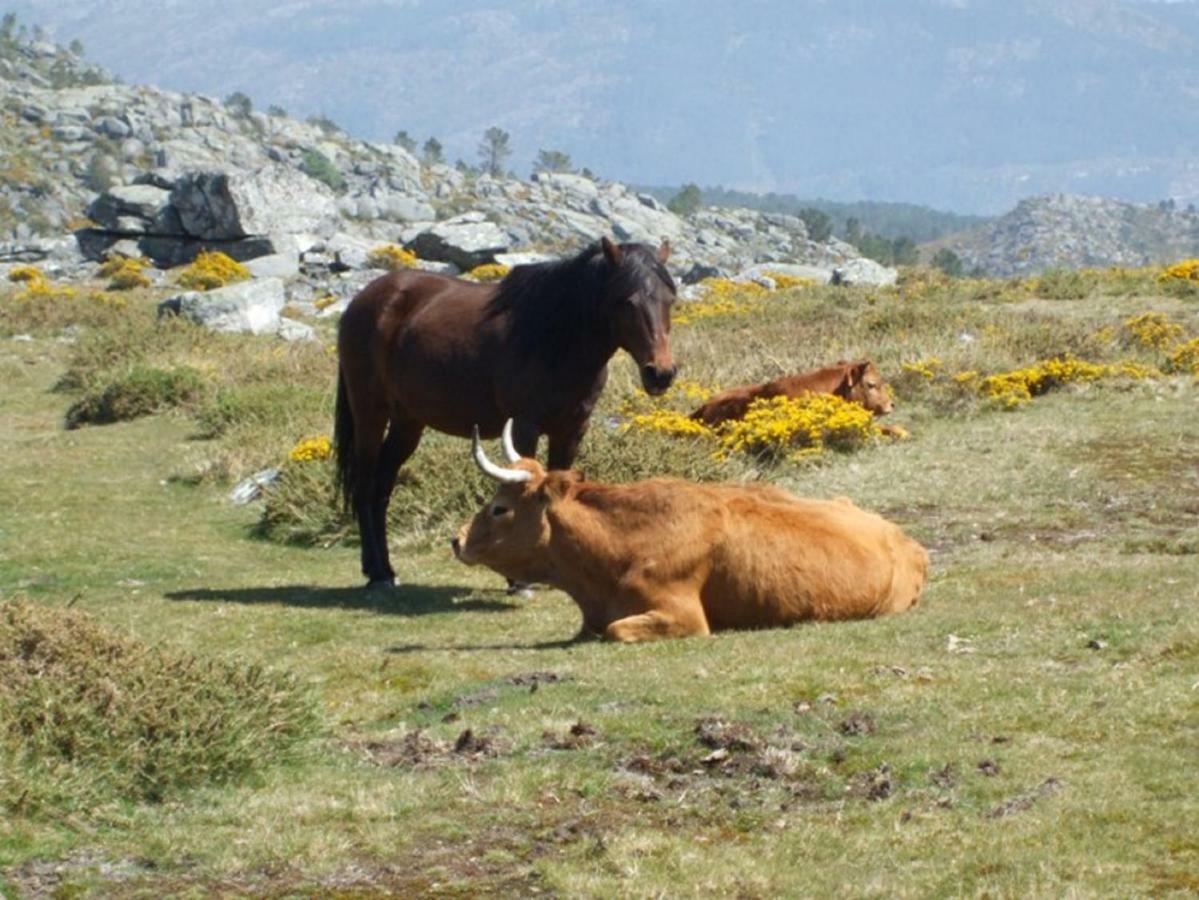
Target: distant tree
(405,140)
(76,47)
(463,166)
(903,251)
(872,246)
(687,201)
(588,174)
(853,230)
(552,161)
(324,123)
(820,226)
(431,152)
(494,150)
(277,111)
(948,262)
(239,105)
(8,28)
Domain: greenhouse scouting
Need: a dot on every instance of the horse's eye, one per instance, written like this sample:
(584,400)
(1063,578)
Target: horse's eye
(498,510)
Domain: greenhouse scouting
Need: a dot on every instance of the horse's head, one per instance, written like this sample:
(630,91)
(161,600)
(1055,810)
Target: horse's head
(641,292)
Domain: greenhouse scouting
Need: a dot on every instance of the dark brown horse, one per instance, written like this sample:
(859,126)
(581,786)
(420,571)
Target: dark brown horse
(419,351)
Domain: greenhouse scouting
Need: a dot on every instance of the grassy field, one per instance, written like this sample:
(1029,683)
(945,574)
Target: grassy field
(1030,729)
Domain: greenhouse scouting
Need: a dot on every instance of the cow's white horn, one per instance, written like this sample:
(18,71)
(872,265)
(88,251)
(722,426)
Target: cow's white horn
(509,447)
(499,473)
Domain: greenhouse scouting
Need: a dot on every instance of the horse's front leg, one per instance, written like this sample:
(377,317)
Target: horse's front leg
(564,445)
(525,433)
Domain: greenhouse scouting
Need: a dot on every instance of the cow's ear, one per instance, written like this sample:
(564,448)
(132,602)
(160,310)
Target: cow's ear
(557,484)
(857,371)
(611,251)
(664,251)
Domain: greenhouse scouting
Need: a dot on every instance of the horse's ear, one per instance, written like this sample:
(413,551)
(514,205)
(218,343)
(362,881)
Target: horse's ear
(611,250)
(664,251)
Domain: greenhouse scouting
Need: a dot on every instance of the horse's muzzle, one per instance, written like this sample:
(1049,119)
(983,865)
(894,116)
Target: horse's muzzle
(656,379)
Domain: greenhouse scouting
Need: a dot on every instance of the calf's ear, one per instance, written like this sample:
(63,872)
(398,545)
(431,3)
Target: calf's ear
(857,371)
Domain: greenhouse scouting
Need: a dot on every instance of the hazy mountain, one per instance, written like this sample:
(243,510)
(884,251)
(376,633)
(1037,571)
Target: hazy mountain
(962,104)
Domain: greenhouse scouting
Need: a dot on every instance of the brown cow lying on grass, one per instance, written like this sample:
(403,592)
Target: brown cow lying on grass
(669,558)
(857,381)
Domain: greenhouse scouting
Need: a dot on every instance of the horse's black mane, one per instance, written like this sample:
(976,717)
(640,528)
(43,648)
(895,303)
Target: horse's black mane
(555,305)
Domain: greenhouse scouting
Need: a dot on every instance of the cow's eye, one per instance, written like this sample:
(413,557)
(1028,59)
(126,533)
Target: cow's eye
(498,510)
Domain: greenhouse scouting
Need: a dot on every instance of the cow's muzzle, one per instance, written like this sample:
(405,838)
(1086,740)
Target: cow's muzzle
(656,379)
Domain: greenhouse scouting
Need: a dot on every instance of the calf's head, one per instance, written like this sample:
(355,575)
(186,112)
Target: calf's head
(510,534)
(865,386)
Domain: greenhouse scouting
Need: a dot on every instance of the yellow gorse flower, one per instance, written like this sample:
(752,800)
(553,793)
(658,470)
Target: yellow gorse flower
(1185,357)
(777,427)
(1187,270)
(212,270)
(925,368)
(124,273)
(26,274)
(489,272)
(1154,329)
(313,449)
(1017,387)
(392,258)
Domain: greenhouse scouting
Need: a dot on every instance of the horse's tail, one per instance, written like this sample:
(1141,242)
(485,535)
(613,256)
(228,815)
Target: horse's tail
(343,443)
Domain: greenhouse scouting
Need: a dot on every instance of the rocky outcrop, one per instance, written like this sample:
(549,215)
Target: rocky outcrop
(166,175)
(243,214)
(1071,231)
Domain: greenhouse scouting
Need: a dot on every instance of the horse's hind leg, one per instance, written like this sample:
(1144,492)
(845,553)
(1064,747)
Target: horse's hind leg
(370,422)
(402,439)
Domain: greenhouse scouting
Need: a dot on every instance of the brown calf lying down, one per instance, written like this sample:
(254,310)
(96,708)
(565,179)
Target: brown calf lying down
(668,558)
(857,381)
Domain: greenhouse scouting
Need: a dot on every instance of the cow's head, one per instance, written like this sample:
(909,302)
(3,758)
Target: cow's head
(511,532)
(865,386)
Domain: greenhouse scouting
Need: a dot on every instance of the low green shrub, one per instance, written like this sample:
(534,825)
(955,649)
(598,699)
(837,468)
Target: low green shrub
(89,716)
(141,391)
(316,165)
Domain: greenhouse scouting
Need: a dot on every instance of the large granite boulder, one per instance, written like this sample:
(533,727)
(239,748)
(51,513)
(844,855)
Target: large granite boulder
(129,208)
(467,241)
(272,200)
(249,306)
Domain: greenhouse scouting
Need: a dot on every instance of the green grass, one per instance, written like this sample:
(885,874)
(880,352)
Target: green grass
(1028,730)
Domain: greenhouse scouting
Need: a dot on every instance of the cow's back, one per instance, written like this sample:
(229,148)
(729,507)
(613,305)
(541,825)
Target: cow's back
(783,559)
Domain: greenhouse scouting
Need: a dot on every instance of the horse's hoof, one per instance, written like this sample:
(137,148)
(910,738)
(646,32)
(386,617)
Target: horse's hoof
(381,584)
(520,589)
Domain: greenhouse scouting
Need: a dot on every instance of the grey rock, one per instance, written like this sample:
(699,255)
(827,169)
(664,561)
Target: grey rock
(112,127)
(512,260)
(274,265)
(223,206)
(291,330)
(250,489)
(866,271)
(142,201)
(466,241)
(248,307)
(348,252)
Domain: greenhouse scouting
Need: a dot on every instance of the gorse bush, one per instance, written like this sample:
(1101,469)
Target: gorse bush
(91,717)
(142,391)
(211,270)
(488,272)
(391,257)
(39,305)
(125,273)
